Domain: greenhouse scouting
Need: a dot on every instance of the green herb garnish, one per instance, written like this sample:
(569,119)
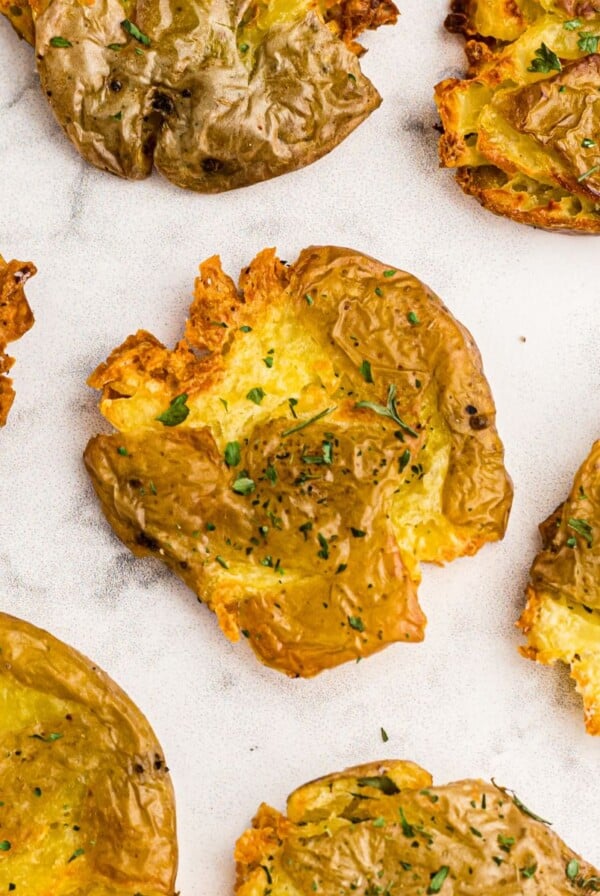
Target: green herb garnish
(305,423)
(545,61)
(572,869)
(176,413)
(324,552)
(233,455)
(309,299)
(60,42)
(357,533)
(380,782)
(5,845)
(245,329)
(47,739)
(366,372)
(389,273)
(122,451)
(588,173)
(438,879)
(222,562)
(529,871)
(505,843)
(76,854)
(588,42)
(268,361)
(384,735)
(135,32)
(243,485)
(388,411)
(356,623)
(583,528)
(256,395)
(407,829)
(587,143)
(572,24)
(379,822)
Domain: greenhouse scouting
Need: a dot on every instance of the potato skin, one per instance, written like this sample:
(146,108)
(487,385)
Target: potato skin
(215,96)
(315,558)
(75,747)
(562,616)
(16,318)
(520,127)
(385,825)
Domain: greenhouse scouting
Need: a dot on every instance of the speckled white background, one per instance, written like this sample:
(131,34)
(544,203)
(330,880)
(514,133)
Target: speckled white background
(114,256)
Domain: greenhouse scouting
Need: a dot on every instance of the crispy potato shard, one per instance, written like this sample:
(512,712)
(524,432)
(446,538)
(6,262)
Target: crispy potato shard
(16,317)
(87,807)
(562,616)
(522,127)
(214,95)
(319,431)
(384,828)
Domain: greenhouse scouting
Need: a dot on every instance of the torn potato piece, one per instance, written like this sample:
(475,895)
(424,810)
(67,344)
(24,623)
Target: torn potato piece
(383,828)
(522,127)
(319,431)
(16,317)
(214,95)
(562,616)
(87,807)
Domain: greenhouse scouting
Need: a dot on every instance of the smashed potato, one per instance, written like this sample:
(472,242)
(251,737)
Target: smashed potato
(16,317)
(562,616)
(319,431)
(383,828)
(214,95)
(86,806)
(522,127)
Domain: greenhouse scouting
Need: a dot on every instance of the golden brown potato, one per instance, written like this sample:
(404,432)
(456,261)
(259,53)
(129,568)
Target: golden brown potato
(87,805)
(214,95)
(522,127)
(384,829)
(318,432)
(16,317)
(562,616)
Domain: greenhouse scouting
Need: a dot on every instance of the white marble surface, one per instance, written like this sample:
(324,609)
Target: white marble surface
(114,256)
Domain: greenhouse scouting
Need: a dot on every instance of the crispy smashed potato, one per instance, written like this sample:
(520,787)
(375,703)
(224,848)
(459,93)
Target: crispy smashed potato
(16,317)
(214,95)
(562,616)
(317,433)
(383,828)
(87,806)
(522,127)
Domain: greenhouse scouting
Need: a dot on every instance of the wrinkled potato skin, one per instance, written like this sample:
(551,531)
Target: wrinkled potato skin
(87,803)
(16,318)
(516,136)
(207,114)
(259,560)
(343,843)
(562,616)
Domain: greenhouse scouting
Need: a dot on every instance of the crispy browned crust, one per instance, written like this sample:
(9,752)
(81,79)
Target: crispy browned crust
(505,124)
(352,17)
(304,598)
(16,317)
(386,824)
(75,739)
(561,619)
(510,198)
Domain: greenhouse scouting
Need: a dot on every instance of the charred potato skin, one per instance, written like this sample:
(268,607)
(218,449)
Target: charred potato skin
(386,825)
(508,143)
(562,617)
(16,318)
(78,747)
(213,98)
(284,565)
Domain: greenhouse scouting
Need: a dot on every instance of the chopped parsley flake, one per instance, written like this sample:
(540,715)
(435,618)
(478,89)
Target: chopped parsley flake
(572,24)
(438,879)
(256,395)
(588,42)
(583,528)
(243,485)
(176,413)
(366,372)
(389,410)
(76,854)
(572,869)
(233,455)
(357,533)
(412,319)
(545,61)
(222,562)
(135,32)
(380,782)
(356,623)
(384,735)
(122,451)
(61,42)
